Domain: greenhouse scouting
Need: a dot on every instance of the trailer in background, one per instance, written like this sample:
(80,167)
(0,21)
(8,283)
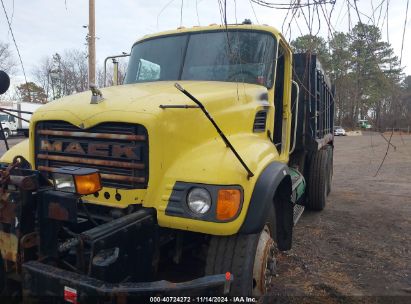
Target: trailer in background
(18,123)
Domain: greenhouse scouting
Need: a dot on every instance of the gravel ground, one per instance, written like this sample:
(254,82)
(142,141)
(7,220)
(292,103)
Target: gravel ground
(357,249)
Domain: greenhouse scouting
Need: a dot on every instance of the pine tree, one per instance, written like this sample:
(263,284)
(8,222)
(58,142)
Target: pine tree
(376,72)
(313,44)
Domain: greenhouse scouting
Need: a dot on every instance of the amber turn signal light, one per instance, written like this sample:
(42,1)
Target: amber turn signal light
(78,180)
(228,204)
(88,184)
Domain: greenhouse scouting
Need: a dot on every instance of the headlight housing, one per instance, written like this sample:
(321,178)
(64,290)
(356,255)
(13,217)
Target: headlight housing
(64,182)
(199,201)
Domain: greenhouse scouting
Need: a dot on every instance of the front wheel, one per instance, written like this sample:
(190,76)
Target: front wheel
(251,258)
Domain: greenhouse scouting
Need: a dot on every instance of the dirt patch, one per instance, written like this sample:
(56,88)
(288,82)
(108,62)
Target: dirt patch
(358,249)
(400,133)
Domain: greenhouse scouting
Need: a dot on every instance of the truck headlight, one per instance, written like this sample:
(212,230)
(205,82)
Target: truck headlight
(82,181)
(199,200)
(64,182)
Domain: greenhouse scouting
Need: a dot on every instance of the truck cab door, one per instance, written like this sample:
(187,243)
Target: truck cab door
(282,101)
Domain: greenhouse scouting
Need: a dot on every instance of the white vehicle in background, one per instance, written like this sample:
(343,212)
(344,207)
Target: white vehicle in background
(14,125)
(9,124)
(339,131)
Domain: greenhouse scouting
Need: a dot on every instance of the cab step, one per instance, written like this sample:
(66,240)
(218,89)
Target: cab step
(298,186)
(298,211)
(297,196)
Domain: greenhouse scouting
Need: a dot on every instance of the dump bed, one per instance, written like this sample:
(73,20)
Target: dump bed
(315,104)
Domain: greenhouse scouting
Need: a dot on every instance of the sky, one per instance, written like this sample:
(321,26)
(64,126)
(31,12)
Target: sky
(42,28)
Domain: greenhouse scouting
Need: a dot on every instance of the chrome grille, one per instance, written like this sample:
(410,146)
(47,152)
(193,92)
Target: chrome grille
(118,150)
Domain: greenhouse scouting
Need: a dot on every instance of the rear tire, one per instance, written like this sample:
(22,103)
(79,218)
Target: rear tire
(318,180)
(330,164)
(249,257)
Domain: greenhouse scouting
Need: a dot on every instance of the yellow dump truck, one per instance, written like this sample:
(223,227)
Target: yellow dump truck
(185,180)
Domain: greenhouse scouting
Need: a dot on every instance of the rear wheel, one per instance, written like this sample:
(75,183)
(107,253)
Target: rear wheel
(319,178)
(330,152)
(250,258)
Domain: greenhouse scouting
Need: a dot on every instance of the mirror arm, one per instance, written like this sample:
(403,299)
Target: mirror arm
(105,65)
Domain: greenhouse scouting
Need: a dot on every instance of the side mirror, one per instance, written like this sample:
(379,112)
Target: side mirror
(4,82)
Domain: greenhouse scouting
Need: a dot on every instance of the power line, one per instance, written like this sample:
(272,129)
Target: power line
(221,8)
(379,14)
(181,12)
(287,6)
(386,154)
(339,14)
(252,7)
(355,7)
(388,34)
(294,10)
(12,14)
(198,17)
(403,33)
(235,11)
(163,9)
(17,48)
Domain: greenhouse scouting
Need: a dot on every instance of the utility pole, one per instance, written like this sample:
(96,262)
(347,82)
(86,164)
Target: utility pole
(19,124)
(91,42)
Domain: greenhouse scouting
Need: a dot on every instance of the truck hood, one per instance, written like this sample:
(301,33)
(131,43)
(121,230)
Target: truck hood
(147,97)
(182,143)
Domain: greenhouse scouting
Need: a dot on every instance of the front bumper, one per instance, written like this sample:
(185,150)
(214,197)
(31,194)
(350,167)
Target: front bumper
(45,281)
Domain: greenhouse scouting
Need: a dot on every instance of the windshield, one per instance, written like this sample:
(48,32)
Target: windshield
(234,56)
(4,117)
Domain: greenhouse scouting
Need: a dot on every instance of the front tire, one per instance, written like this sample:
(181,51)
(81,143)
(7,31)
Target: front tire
(251,258)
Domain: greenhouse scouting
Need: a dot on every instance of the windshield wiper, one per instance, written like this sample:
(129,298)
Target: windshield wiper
(220,132)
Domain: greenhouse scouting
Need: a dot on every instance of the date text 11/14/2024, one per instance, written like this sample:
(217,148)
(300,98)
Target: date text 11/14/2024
(203,299)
